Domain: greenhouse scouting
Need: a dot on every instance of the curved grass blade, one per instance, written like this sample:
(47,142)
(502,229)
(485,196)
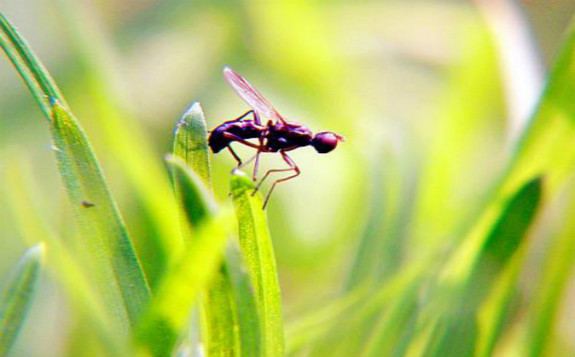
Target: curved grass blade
(118,270)
(132,148)
(30,68)
(546,148)
(18,295)
(100,223)
(468,276)
(149,180)
(257,251)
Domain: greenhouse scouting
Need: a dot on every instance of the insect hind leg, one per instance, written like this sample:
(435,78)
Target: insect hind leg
(293,167)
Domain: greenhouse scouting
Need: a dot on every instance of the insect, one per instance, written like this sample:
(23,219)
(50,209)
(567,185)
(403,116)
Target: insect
(278,135)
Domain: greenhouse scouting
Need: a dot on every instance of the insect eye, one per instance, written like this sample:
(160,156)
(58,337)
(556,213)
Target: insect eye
(325,142)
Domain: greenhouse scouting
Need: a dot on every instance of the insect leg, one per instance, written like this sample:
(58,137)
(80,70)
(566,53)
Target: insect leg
(235,156)
(255,172)
(241,141)
(246,114)
(267,174)
(293,167)
(246,163)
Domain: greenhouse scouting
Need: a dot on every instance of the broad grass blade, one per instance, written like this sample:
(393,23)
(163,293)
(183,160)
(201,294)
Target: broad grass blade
(18,295)
(257,251)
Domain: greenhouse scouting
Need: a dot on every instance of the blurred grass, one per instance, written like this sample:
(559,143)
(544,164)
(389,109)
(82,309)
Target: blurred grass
(17,298)
(424,235)
(257,252)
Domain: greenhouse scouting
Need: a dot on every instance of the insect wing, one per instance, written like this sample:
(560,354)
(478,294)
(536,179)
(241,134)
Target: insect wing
(250,95)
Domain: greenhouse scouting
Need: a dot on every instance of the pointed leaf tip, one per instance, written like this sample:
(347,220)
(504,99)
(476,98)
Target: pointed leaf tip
(240,182)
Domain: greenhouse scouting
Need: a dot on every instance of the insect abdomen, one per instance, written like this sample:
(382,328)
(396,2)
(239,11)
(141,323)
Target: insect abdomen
(242,129)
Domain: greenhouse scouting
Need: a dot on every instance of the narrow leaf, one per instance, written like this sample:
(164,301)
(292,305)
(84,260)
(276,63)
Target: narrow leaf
(556,275)
(149,180)
(30,68)
(230,316)
(116,265)
(17,297)
(171,307)
(24,202)
(474,268)
(190,142)
(257,251)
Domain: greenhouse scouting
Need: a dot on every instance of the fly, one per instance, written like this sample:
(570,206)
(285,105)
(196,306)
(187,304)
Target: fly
(278,135)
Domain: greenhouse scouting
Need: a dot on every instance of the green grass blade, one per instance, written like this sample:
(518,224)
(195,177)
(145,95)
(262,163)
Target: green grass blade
(195,199)
(24,203)
(473,269)
(18,295)
(557,272)
(171,307)
(30,68)
(149,179)
(219,327)
(101,225)
(494,315)
(191,145)
(230,316)
(118,270)
(219,319)
(257,250)
(546,148)
(242,290)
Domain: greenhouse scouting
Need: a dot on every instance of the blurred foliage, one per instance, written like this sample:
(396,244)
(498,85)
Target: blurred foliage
(439,228)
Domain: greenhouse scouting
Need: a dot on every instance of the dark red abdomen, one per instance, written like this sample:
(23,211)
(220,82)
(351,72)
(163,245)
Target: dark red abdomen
(246,129)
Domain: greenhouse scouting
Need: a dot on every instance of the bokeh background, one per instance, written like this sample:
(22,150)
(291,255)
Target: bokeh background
(430,95)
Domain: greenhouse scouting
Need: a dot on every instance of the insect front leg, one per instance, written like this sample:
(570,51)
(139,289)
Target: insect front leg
(256,119)
(238,159)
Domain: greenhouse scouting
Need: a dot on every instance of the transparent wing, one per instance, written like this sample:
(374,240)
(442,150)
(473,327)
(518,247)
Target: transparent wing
(250,95)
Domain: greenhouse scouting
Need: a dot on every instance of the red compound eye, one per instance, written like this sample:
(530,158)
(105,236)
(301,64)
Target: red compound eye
(325,142)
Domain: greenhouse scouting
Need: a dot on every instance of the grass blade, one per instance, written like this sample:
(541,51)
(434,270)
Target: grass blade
(191,144)
(230,316)
(156,196)
(23,201)
(117,268)
(472,270)
(101,226)
(257,251)
(30,68)
(171,307)
(219,319)
(556,274)
(18,295)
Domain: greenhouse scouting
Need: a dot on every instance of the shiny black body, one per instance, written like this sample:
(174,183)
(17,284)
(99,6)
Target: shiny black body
(244,129)
(274,136)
